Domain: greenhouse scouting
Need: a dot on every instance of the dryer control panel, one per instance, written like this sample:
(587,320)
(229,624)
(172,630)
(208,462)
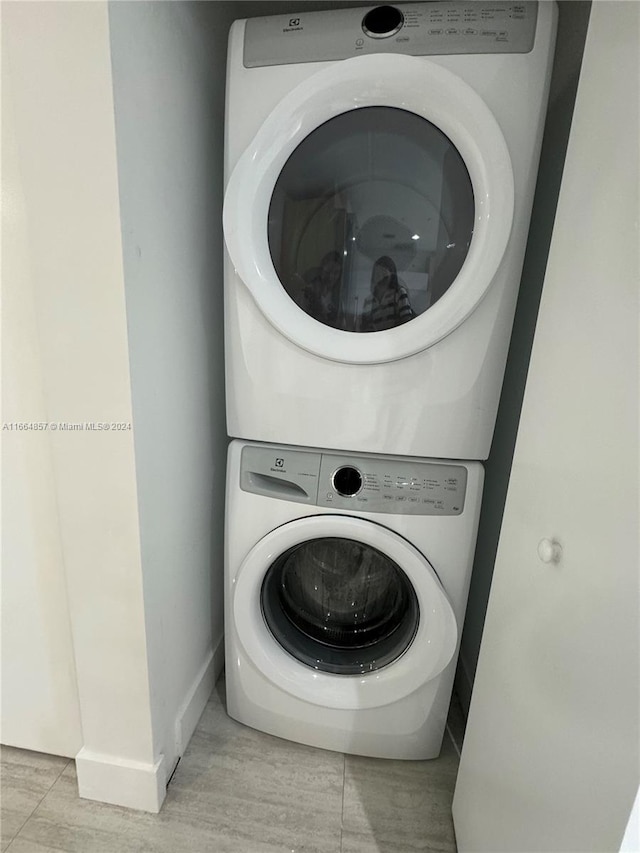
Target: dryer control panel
(356,482)
(418,29)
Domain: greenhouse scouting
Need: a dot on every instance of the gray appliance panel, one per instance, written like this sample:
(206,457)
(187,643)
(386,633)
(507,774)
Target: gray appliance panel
(389,485)
(399,486)
(429,29)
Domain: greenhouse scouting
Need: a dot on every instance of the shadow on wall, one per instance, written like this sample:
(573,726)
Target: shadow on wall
(572,30)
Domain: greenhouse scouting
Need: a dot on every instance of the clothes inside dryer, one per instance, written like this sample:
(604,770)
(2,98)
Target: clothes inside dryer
(339,605)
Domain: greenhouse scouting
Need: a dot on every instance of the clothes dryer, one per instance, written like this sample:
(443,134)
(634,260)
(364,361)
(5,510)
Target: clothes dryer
(380,167)
(346,581)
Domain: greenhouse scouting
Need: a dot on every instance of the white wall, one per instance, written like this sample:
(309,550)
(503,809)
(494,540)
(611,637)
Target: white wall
(168,62)
(57,61)
(40,705)
(551,757)
(127,290)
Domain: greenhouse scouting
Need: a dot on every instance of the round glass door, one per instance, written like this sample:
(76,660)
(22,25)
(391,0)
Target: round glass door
(376,197)
(339,605)
(371,219)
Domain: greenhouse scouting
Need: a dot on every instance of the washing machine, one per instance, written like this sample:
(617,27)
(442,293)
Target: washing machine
(380,168)
(346,581)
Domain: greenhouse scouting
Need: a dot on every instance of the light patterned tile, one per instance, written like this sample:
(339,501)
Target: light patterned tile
(25,777)
(399,806)
(19,845)
(241,791)
(355,842)
(64,822)
(263,802)
(189,821)
(260,787)
(235,791)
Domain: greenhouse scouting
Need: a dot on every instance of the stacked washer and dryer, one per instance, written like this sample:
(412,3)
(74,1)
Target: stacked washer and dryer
(380,170)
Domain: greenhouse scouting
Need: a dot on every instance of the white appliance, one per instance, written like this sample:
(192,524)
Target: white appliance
(346,581)
(380,170)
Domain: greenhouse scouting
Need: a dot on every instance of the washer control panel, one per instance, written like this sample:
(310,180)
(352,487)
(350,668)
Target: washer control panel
(359,483)
(391,484)
(418,29)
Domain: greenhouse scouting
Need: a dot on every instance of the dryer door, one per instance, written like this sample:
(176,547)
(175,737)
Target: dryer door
(371,211)
(342,612)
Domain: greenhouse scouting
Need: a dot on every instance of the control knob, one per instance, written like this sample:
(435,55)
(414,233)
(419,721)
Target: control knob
(382,22)
(347,481)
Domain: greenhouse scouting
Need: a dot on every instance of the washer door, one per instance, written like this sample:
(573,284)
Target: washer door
(342,612)
(370,213)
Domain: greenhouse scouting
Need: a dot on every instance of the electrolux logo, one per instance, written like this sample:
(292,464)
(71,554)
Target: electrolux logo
(294,25)
(278,466)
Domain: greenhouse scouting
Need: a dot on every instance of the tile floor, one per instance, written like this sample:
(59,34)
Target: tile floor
(241,791)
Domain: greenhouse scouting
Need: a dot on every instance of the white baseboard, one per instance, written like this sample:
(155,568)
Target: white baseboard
(135,784)
(198,696)
(109,779)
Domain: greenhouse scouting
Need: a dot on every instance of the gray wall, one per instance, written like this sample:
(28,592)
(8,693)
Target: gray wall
(168,63)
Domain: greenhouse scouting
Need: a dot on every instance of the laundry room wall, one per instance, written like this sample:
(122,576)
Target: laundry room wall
(74,609)
(168,64)
(558,676)
(573,19)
